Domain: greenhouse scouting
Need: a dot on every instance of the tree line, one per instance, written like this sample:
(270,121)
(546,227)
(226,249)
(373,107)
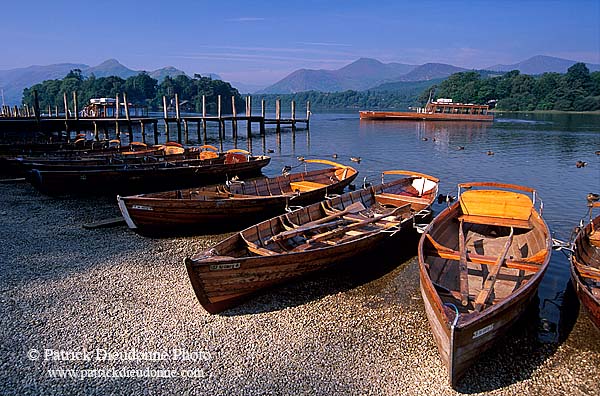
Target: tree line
(140,89)
(576,90)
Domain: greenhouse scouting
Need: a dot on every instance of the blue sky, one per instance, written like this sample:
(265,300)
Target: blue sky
(259,42)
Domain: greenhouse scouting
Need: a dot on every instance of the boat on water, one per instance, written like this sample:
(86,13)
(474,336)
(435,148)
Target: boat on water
(481,261)
(309,239)
(439,110)
(138,178)
(585,265)
(234,204)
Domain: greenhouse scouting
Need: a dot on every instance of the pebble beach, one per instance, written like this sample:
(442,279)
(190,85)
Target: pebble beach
(106,311)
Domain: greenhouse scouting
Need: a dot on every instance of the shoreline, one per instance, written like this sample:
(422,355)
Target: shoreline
(350,330)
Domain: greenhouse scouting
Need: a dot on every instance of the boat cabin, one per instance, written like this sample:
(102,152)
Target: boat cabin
(446,106)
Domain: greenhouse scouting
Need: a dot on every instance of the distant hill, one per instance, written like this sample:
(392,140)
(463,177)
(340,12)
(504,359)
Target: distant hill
(542,64)
(13,81)
(415,87)
(431,71)
(110,67)
(359,75)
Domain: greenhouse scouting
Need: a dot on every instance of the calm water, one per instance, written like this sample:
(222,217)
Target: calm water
(534,150)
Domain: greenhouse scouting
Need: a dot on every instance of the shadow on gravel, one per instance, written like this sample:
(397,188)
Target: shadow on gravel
(337,279)
(523,349)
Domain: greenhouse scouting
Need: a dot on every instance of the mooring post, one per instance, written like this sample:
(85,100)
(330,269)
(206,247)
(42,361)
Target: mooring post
(204,115)
(56,111)
(249,115)
(96,138)
(307,114)
(129,129)
(75,105)
(143,129)
(278,114)
(117,111)
(221,123)
(186,132)
(165,117)
(178,117)
(233,118)
(293,114)
(66,117)
(263,112)
(198,131)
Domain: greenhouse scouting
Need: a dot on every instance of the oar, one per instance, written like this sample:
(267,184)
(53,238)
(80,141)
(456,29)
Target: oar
(353,208)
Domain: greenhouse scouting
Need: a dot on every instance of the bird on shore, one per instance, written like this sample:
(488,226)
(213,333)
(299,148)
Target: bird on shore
(355,159)
(490,152)
(460,147)
(580,164)
(335,156)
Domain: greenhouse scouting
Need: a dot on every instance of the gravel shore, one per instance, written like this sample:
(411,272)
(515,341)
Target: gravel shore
(120,305)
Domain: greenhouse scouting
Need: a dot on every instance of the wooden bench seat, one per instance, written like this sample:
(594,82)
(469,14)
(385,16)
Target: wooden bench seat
(399,200)
(496,207)
(306,185)
(497,221)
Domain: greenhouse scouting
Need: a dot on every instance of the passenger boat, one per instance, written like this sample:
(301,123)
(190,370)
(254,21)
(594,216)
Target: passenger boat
(585,266)
(481,261)
(440,110)
(309,239)
(145,177)
(233,204)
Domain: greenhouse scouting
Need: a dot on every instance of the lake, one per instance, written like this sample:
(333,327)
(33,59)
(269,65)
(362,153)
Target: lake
(535,150)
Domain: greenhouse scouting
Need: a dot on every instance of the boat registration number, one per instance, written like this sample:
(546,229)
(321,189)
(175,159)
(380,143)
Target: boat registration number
(142,207)
(483,331)
(218,267)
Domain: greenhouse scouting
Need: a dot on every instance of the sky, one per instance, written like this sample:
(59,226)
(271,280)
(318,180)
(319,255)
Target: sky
(260,42)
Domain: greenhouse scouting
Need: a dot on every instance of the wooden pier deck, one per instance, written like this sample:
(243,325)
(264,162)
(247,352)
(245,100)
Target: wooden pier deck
(18,122)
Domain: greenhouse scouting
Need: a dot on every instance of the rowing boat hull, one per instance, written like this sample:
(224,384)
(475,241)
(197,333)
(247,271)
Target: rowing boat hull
(142,178)
(462,342)
(223,278)
(405,115)
(165,213)
(585,255)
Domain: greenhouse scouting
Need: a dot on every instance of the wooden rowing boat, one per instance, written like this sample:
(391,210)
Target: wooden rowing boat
(309,239)
(145,177)
(585,266)
(480,263)
(232,205)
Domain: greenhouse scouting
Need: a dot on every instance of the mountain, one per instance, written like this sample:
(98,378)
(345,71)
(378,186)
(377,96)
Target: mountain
(542,64)
(414,87)
(431,71)
(110,67)
(13,81)
(244,88)
(168,71)
(359,75)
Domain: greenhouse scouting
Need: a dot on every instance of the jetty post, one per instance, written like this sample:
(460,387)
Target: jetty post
(117,111)
(178,118)
(278,114)
(293,114)
(219,119)
(262,116)
(249,116)
(129,129)
(166,117)
(307,114)
(234,116)
(66,117)
(204,116)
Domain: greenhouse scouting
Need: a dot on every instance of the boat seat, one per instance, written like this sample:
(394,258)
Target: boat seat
(306,185)
(399,200)
(495,207)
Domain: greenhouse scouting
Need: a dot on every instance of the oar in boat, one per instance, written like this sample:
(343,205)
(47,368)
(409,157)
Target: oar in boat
(353,208)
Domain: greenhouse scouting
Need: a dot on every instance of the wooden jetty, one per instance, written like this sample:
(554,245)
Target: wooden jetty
(16,121)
